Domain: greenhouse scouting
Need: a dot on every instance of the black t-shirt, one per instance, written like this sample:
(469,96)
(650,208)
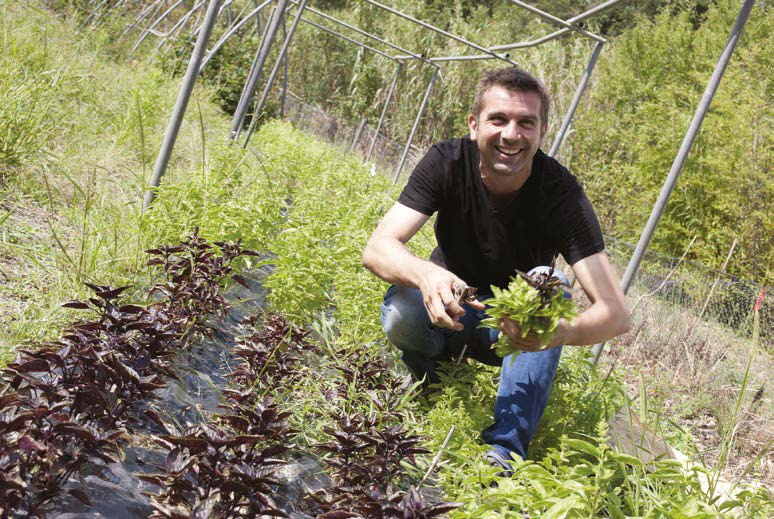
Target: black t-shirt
(483,245)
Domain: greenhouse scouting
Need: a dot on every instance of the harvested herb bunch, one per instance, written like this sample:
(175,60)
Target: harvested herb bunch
(536,303)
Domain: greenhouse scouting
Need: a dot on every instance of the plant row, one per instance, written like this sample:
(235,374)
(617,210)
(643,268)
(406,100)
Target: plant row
(79,398)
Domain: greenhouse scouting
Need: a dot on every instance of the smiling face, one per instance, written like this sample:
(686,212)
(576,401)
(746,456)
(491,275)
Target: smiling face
(508,131)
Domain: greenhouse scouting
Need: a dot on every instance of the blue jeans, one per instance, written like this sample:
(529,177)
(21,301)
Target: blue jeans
(524,384)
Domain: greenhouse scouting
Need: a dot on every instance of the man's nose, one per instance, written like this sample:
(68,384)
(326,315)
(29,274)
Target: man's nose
(510,131)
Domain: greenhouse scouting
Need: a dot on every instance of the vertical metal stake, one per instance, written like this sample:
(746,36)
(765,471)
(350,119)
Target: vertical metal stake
(284,95)
(182,102)
(273,75)
(384,111)
(158,20)
(575,101)
(414,128)
(358,133)
(682,154)
(252,81)
(146,12)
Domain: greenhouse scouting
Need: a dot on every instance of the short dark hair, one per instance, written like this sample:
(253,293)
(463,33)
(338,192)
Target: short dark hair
(512,79)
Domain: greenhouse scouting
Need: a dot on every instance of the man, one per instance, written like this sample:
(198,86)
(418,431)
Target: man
(502,205)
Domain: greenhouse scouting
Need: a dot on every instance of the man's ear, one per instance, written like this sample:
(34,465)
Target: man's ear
(473,126)
(543,131)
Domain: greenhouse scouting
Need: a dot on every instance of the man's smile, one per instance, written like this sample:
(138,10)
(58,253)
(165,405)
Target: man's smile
(510,152)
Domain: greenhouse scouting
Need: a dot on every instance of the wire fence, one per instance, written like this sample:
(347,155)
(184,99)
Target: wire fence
(688,285)
(685,284)
(386,153)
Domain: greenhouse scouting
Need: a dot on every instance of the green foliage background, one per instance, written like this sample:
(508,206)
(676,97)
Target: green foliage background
(631,126)
(643,94)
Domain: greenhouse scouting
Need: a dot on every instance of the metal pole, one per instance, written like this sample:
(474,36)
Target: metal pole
(250,73)
(439,31)
(174,29)
(475,57)
(257,18)
(231,32)
(158,20)
(682,154)
(362,32)
(575,100)
(252,81)
(414,128)
(557,21)
(182,103)
(560,32)
(284,95)
(151,8)
(384,111)
(273,75)
(358,132)
(222,9)
(346,38)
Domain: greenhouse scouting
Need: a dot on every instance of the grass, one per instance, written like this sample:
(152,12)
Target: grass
(70,213)
(694,372)
(82,146)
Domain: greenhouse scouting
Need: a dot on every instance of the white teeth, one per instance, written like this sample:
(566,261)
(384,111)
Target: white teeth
(508,152)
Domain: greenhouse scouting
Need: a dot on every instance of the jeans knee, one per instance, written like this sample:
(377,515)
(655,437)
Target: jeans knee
(406,324)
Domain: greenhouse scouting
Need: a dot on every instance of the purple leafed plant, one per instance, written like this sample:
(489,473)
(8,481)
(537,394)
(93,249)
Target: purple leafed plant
(75,399)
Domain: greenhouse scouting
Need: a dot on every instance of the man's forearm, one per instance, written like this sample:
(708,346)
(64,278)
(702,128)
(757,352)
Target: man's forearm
(390,260)
(597,324)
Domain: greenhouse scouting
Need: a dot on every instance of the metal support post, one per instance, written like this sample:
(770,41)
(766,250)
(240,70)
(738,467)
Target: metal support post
(257,18)
(182,102)
(273,75)
(682,154)
(182,21)
(252,81)
(158,20)
(143,14)
(284,95)
(575,101)
(358,133)
(560,32)
(557,21)
(226,3)
(254,64)
(232,31)
(414,128)
(440,31)
(384,111)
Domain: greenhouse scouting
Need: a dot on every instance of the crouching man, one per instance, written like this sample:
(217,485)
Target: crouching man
(502,204)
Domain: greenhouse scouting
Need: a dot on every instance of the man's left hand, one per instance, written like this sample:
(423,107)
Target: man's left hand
(531,342)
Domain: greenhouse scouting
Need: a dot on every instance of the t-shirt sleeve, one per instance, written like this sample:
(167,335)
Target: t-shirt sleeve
(576,227)
(425,185)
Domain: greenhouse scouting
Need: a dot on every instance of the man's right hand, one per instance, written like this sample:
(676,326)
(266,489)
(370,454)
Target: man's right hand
(387,256)
(436,285)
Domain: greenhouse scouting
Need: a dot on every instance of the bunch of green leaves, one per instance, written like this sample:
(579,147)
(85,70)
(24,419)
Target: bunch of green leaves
(535,308)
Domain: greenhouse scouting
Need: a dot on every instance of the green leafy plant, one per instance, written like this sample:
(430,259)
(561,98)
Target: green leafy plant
(536,303)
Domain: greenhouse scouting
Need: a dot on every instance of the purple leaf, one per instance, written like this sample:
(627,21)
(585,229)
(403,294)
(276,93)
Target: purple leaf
(81,495)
